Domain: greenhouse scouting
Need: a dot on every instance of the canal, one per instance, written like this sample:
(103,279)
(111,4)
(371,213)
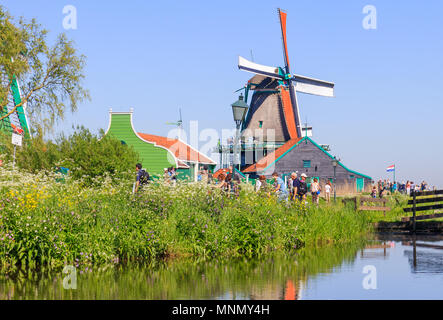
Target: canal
(383,267)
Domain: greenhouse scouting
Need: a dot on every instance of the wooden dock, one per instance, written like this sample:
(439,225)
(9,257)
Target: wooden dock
(421,227)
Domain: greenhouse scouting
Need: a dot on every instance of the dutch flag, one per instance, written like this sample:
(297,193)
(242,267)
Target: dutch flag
(390,168)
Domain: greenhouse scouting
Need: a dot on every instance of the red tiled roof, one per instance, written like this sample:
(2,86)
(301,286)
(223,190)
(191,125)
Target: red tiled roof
(264,162)
(181,150)
(220,171)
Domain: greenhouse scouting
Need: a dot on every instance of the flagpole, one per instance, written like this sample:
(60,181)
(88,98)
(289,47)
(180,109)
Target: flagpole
(394,174)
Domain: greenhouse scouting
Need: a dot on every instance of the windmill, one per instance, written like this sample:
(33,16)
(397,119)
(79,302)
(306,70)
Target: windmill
(17,121)
(274,102)
(178,124)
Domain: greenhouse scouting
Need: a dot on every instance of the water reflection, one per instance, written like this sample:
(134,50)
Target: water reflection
(331,272)
(429,260)
(274,276)
(371,251)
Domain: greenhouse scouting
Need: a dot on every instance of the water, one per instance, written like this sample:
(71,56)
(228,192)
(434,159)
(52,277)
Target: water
(399,268)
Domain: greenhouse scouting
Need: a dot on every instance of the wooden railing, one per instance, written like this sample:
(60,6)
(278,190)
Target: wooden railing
(433,204)
(360,204)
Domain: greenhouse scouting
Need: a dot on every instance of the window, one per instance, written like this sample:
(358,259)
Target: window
(260,124)
(351,176)
(306,163)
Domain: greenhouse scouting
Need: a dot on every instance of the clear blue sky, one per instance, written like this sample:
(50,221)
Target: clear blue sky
(157,56)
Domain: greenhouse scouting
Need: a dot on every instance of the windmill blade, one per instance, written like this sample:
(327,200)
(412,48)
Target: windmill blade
(313,86)
(294,102)
(249,66)
(282,15)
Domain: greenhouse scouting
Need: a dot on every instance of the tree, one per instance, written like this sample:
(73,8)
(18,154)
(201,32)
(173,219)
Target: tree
(88,156)
(50,76)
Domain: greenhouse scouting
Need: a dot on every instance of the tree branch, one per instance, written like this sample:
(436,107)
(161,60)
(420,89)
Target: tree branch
(27,98)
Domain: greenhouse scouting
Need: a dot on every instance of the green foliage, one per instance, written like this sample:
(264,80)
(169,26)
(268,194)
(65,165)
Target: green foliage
(51,76)
(47,223)
(89,157)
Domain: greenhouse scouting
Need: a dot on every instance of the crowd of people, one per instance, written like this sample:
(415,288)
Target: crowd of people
(295,188)
(384,187)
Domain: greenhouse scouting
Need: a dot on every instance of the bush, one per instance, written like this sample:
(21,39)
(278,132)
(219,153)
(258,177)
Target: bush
(89,157)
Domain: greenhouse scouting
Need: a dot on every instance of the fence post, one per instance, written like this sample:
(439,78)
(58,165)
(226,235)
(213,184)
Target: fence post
(414,205)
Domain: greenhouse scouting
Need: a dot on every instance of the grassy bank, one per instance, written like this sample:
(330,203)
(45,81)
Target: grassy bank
(43,222)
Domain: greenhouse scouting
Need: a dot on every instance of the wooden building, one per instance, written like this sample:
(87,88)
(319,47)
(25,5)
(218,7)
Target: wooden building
(306,156)
(157,152)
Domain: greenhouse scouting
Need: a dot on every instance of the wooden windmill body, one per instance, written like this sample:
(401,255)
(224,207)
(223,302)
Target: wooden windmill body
(274,115)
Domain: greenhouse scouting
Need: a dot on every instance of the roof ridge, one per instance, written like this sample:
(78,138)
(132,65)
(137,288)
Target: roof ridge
(288,144)
(165,142)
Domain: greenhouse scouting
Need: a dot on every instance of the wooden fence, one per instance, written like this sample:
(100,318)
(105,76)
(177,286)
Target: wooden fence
(430,198)
(361,204)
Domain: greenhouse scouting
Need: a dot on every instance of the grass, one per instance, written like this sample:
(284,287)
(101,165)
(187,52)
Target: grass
(45,223)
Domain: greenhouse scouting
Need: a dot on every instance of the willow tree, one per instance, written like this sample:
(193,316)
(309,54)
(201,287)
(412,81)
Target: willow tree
(50,74)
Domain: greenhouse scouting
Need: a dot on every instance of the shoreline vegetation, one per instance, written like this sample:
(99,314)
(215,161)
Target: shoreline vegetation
(45,223)
(265,277)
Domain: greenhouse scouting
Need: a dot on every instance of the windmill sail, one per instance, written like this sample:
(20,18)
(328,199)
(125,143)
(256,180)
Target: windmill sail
(17,121)
(313,86)
(249,66)
(282,15)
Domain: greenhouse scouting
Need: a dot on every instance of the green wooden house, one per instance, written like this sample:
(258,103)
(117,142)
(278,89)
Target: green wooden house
(157,152)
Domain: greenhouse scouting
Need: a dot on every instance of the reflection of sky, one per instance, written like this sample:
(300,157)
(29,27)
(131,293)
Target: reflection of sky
(396,277)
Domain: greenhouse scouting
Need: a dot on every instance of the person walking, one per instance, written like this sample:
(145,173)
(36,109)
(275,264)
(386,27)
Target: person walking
(295,183)
(173,176)
(328,188)
(261,185)
(280,187)
(315,191)
(141,179)
(258,184)
(374,192)
(380,192)
(412,186)
(302,188)
(222,185)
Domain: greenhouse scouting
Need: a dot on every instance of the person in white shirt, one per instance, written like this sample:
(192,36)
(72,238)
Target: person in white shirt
(328,189)
(257,185)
